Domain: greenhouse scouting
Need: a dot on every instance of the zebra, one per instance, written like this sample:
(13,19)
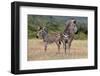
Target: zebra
(47,39)
(68,34)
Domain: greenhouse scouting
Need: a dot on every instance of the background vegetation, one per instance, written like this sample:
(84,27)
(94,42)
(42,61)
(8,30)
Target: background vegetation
(56,24)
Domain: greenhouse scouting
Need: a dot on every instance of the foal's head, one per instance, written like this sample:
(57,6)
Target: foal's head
(42,32)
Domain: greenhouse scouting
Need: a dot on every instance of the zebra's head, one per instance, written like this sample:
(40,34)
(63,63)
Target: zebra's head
(42,32)
(74,22)
(71,26)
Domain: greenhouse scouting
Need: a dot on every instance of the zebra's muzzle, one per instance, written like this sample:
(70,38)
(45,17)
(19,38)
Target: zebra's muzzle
(37,37)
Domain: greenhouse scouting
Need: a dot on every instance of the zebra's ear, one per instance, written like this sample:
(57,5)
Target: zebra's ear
(45,29)
(39,27)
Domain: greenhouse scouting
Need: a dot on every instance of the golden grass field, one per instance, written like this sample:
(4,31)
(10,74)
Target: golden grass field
(36,50)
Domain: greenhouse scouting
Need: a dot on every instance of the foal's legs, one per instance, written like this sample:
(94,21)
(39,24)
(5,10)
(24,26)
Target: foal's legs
(45,46)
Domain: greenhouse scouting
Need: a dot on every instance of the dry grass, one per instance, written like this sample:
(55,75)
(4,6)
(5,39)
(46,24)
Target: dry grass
(36,50)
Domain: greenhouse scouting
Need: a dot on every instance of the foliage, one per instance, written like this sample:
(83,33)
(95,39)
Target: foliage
(55,24)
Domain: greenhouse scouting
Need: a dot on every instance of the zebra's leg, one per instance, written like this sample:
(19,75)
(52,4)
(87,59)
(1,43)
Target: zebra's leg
(45,46)
(63,42)
(69,44)
(65,47)
(58,48)
(58,45)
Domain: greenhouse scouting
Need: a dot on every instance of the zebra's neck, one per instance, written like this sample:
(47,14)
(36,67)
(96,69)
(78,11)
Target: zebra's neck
(45,37)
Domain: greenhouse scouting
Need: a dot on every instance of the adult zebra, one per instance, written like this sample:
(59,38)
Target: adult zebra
(68,34)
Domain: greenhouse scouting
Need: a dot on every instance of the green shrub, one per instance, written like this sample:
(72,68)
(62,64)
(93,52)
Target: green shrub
(80,36)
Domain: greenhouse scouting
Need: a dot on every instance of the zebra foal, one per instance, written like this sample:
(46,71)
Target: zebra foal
(48,39)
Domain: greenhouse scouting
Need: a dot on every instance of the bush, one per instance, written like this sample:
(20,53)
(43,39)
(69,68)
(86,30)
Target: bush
(81,36)
(31,34)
